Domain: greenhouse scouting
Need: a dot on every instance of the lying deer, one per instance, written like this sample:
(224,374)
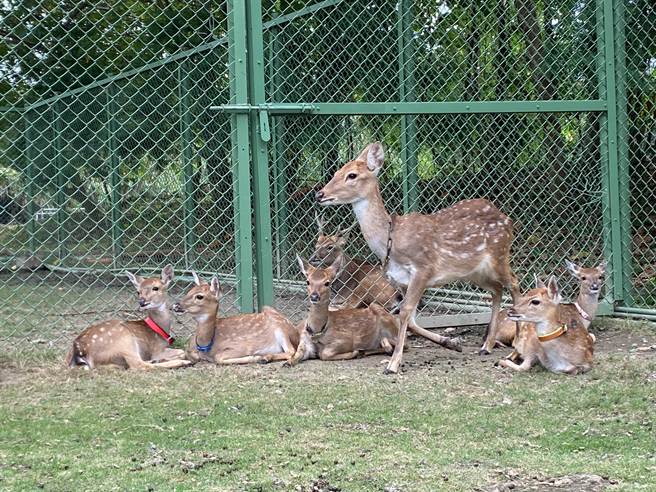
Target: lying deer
(358,283)
(241,339)
(343,334)
(132,344)
(550,333)
(467,241)
(590,282)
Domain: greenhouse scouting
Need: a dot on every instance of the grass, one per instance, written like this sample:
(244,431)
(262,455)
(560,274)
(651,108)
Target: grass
(457,424)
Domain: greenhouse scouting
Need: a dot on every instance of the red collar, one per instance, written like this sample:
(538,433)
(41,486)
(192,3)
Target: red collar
(160,331)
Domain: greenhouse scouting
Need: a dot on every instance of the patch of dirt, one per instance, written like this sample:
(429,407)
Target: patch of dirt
(581,482)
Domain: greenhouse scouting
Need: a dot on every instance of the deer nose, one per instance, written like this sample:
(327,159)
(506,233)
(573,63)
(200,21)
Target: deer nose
(314,297)
(319,195)
(142,302)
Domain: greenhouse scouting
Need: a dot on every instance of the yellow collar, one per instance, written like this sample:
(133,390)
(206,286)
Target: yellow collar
(554,334)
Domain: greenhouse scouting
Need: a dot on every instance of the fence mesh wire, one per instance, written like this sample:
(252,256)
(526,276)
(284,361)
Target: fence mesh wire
(112,159)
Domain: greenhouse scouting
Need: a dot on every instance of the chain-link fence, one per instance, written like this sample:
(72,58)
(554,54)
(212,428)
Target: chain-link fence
(135,134)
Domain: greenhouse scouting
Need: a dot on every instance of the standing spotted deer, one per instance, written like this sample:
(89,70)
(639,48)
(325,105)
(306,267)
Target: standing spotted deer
(342,334)
(132,344)
(550,333)
(467,241)
(242,339)
(358,283)
(590,282)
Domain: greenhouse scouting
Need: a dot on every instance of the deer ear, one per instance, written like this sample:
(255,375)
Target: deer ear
(552,290)
(135,279)
(320,222)
(303,264)
(602,266)
(336,265)
(539,284)
(573,268)
(215,287)
(167,275)
(375,157)
(196,278)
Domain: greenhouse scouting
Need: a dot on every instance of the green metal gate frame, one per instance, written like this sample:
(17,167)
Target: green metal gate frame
(250,115)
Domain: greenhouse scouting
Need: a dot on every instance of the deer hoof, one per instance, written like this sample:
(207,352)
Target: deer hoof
(484,351)
(388,371)
(454,344)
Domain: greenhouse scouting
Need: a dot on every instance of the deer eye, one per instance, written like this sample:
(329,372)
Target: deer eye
(307,282)
(200,297)
(351,176)
(155,288)
(582,278)
(601,277)
(535,302)
(327,284)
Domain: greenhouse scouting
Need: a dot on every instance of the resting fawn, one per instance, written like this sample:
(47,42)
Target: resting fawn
(343,334)
(467,241)
(590,282)
(132,344)
(358,283)
(241,339)
(550,333)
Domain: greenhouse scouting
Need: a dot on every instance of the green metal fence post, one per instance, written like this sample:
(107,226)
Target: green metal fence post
(260,135)
(609,145)
(240,153)
(623,150)
(60,166)
(407,93)
(280,184)
(29,185)
(187,167)
(114,174)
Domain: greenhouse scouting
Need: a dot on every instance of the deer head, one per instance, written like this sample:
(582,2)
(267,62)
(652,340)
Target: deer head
(152,291)
(318,280)
(591,279)
(201,300)
(329,247)
(537,305)
(356,180)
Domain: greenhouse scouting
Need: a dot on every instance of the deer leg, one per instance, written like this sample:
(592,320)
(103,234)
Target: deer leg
(387,346)
(450,343)
(343,356)
(416,289)
(523,367)
(491,338)
(249,359)
(172,364)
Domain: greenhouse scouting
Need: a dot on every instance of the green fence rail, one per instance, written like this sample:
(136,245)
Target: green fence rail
(138,134)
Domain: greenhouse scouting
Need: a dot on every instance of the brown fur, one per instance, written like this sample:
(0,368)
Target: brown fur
(467,241)
(242,339)
(590,282)
(540,313)
(131,344)
(358,283)
(348,333)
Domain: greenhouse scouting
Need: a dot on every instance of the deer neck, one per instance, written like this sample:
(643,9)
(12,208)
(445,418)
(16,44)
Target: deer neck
(318,316)
(205,327)
(588,302)
(374,222)
(162,317)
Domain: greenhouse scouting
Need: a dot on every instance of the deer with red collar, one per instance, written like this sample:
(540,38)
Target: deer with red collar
(140,344)
(358,283)
(242,339)
(550,333)
(466,241)
(590,282)
(345,333)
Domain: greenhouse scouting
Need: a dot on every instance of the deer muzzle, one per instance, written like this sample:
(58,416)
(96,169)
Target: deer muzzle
(512,314)
(142,302)
(314,297)
(178,308)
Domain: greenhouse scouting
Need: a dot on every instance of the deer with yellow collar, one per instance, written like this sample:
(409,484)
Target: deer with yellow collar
(550,333)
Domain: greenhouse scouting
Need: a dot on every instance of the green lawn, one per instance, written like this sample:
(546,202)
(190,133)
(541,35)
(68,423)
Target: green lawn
(456,424)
